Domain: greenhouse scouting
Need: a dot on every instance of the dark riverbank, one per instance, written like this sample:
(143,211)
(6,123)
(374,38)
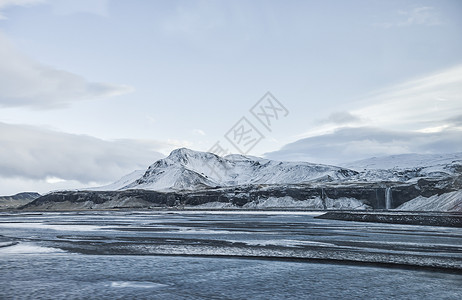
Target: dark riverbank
(410,218)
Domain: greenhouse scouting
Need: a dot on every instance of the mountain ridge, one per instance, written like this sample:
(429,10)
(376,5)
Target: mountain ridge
(186,169)
(188,178)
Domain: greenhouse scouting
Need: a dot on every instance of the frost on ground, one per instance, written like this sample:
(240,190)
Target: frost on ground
(445,202)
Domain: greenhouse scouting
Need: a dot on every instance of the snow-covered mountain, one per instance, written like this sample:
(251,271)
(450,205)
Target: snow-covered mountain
(451,201)
(406,167)
(122,182)
(186,169)
(189,178)
(405,161)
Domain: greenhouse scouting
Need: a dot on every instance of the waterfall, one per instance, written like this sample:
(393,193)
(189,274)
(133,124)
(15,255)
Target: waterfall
(323,198)
(388,198)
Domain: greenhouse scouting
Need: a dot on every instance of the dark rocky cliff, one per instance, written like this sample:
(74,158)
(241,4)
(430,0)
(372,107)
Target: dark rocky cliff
(372,195)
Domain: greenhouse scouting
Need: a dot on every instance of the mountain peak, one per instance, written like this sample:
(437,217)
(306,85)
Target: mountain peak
(188,169)
(183,151)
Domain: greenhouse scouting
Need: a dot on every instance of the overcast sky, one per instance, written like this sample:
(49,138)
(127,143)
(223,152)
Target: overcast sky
(93,89)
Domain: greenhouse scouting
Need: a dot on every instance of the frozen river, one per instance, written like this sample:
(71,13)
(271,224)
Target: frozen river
(223,255)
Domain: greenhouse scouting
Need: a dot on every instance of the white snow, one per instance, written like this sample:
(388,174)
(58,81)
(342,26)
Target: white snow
(281,202)
(186,169)
(445,202)
(315,203)
(404,161)
(28,248)
(405,167)
(63,227)
(215,205)
(345,203)
(124,181)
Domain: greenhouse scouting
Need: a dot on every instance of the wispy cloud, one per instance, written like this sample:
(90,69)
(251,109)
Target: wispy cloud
(8,3)
(349,144)
(430,101)
(425,15)
(61,7)
(69,7)
(199,132)
(421,115)
(341,118)
(24,82)
(415,104)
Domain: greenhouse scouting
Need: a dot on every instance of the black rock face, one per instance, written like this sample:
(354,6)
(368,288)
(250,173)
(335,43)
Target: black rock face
(373,195)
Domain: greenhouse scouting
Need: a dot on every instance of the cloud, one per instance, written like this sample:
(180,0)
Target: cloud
(425,15)
(341,118)
(68,7)
(62,7)
(7,3)
(420,16)
(199,132)
(34,153)
(429,103)
(421,115)
(455,121)
(349,144)
(415,104)
(24,82)
(194,18)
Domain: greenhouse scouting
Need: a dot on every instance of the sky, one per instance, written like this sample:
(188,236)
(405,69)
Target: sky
(91,90)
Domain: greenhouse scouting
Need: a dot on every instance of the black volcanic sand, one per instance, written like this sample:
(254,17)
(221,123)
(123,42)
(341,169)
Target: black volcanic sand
(450,219)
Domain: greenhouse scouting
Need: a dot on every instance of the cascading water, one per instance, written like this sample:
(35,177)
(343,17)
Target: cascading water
(323,198)
(388,198)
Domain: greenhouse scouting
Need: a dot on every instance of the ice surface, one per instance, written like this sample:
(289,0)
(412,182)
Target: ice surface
(137,284)
(28,248)
(52,226)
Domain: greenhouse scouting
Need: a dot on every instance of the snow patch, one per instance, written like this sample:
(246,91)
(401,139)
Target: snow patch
(345,203)
(445,202)
(404,161)
(287,201)
(215,205)
(186,169)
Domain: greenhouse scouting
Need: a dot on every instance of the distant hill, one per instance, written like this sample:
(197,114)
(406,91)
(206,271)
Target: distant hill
(15,201)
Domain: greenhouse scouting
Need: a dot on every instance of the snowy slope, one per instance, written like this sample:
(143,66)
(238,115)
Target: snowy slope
(407,167)
(186,169)
(124,181)
(445,202)
(405,161)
